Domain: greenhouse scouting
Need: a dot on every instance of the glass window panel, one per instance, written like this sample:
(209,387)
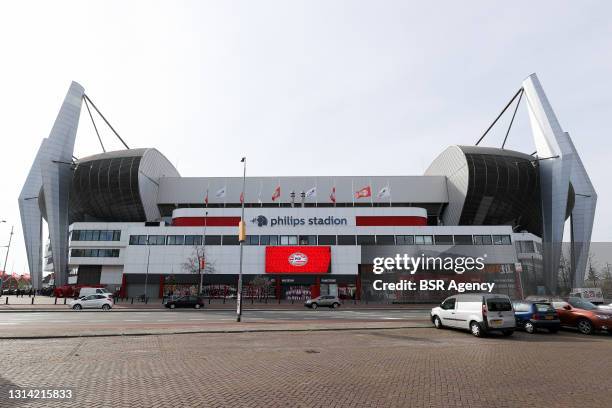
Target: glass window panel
(213,239)
(308,240)
(404,239)
(366,240)
(482,240)
(444,240)
(116,235)
(157,239)
(423,240)
(463,240)
(193,240)
(252,240)
(327,240)
(346,240)
(385,240)
(230,240)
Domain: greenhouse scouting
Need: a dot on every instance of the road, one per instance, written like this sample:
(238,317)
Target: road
(88,322)
(420,367)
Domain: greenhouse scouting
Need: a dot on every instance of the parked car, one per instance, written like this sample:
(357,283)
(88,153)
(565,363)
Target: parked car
(479,313)
(185,301)
(593,295)
(329,301)
(583,315)
(95,301)
(532,316)
(87,290)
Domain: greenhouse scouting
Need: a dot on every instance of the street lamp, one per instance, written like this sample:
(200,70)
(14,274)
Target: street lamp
(203,257)
(147,273)
(241,239)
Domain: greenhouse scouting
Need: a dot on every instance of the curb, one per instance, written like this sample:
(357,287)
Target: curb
(162,310)
(218,331)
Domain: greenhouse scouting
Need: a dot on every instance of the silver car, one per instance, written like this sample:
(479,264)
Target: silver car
(329,301)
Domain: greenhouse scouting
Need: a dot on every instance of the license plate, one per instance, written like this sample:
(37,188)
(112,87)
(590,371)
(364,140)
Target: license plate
(496,322)
(549,317)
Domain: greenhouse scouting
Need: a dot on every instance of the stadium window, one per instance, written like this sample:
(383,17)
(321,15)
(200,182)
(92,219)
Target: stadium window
(385,240)
(366,240)
(346,240)
(230,240)
(327,240)
(444,240)
(423,240)
(157,239)
(463,240)
(213,239)
(252,240)
(176,240)
(404,240)
(193,240)
(138,240)
(308,240)
(502,240)
(268,240)
(482,240)
(288,240)
(116,235)
(75,235)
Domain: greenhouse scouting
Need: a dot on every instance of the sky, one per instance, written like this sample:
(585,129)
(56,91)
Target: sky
(300,87)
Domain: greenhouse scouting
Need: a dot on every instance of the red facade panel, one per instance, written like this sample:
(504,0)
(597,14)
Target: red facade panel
(208,221)
(390,221)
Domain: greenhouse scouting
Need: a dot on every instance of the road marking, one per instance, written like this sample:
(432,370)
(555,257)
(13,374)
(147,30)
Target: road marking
(132,320)
(7,323)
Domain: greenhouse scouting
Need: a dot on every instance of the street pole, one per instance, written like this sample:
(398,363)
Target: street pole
(8,248)
(203,254)
(147,274)
(241,238)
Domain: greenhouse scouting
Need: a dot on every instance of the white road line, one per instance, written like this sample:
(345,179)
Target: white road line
(132,320)
(7,323)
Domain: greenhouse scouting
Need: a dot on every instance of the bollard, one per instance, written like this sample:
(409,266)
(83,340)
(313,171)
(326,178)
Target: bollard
(32,300)
(163,298)
(146,300)
(55,303)
(6,303)
(64,300)
(132,300)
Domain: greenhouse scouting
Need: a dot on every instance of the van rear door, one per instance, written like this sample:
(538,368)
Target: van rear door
(500,314)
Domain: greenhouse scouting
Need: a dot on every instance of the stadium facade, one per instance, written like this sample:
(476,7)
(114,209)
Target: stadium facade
(127,219)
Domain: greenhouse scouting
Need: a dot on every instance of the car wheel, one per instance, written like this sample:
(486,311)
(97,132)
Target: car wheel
(197,305)
(437,322)
(106,307)
(77,307)
(530,328)
(336,305)
(507,332)
(314,306)
(172,306)
(585,326)
(476,329)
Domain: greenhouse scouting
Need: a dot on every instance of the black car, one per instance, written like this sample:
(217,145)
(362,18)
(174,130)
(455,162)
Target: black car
(531,316)
(185,301)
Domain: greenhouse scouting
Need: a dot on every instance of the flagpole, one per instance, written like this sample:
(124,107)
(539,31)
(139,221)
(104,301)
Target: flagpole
(241,237)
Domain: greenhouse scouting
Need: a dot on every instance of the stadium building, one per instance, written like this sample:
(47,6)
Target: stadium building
(127,219)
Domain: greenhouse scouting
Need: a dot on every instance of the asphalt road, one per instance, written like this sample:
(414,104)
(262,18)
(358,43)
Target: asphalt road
(50,323)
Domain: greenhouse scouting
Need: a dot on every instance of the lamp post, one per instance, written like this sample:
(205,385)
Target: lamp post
(203,257)
(8,248)
(241,238)
(147,273)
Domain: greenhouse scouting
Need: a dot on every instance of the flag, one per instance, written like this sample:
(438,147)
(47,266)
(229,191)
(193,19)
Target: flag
(364,192)
(384,192)
(332,196)
(206,198)
(311,193)
(259,194)
(220,193)
(276,193)
(242,197)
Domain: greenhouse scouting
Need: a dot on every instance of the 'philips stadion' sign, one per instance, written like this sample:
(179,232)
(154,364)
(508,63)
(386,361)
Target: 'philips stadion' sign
(290,221)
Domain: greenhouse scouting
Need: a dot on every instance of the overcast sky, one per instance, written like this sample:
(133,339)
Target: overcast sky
(300,87)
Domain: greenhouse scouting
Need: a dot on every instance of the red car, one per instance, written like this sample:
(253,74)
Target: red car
(583,315)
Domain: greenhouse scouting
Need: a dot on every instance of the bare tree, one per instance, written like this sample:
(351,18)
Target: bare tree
(192,264)
(261,284)
(592,270)
(565,275)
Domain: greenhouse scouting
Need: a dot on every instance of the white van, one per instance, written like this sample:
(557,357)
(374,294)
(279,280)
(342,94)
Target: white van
(593,295)
(86,291)
(476,312)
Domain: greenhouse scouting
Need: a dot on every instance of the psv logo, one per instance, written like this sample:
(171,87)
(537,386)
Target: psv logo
(298,259)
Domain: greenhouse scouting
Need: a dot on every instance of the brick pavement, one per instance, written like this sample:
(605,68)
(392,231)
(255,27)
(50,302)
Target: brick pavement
(391,368)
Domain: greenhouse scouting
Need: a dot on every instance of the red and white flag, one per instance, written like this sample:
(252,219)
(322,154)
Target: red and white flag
(206,198)
(241,197)
(276,193)
(332,196)
(364,192)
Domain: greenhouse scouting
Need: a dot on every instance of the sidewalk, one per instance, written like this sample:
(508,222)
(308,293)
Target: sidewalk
(47,304)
